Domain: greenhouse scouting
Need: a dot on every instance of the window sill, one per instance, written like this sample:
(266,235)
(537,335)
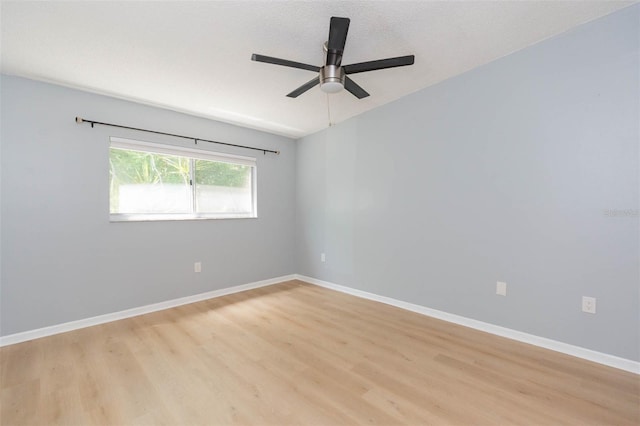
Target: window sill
(172,217)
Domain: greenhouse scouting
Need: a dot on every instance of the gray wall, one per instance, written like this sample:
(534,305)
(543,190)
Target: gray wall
(500,174)
(61,258)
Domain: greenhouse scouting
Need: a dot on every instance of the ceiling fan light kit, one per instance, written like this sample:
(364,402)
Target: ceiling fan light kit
(333,77)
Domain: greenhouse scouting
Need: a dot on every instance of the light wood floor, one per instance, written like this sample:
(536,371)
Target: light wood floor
(298,354)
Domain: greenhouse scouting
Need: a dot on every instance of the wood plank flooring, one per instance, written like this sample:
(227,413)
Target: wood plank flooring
(297,354)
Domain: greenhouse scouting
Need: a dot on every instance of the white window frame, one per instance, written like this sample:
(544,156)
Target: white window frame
(191,154)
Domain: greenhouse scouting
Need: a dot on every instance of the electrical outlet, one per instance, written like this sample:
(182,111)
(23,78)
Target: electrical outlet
(322,257)
(589,304)
(501,288)
(197,267)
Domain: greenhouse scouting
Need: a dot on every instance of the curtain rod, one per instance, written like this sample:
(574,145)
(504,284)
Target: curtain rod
(92,122)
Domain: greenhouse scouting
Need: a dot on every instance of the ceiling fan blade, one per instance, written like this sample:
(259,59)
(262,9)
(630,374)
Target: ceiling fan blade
(354,89)
(338,29)
(300,90)
(283,62)
(380,64)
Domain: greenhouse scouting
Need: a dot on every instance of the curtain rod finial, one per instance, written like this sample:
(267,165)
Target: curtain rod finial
(79,120)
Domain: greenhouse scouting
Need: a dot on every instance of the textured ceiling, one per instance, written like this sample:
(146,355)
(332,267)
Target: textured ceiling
(195,56)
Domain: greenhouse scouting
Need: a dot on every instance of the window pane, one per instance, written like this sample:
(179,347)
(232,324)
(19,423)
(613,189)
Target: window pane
(143,182)
(223,188)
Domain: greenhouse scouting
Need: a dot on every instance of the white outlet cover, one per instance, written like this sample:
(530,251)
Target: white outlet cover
(197,267)
(589,304)
(501,288)
(322,257)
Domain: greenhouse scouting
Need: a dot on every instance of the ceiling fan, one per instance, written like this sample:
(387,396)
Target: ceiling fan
(334,76)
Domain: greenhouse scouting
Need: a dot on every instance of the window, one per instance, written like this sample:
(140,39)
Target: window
(148,181)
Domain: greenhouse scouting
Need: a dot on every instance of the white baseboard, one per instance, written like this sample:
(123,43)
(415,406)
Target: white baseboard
(128,313)
(577,351)
(554,345)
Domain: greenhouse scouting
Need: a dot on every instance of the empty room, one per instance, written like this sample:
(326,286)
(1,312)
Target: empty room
(320,213)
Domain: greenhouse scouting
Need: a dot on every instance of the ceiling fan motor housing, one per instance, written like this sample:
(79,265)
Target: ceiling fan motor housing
(331,78)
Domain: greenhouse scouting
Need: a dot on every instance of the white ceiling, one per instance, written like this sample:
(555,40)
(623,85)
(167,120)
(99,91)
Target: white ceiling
(195,56)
